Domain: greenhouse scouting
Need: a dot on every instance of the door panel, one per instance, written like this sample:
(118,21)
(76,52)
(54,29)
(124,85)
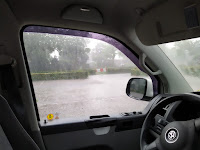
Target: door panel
(116,133)
(87,139)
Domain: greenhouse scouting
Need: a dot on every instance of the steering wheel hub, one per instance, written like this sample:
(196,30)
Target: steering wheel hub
(171,135)
(175,135)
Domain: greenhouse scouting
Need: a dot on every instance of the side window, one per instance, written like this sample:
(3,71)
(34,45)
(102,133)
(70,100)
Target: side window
(75,76)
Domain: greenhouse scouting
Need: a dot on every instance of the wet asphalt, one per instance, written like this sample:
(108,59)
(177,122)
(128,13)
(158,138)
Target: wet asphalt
(97,95)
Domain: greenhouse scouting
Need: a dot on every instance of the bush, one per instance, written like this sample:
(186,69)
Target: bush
(91,71)
(191,70)
(137,72)
(60,75)
(133,71)
(118,70)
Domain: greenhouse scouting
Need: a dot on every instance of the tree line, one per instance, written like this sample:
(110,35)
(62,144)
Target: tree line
(61,53)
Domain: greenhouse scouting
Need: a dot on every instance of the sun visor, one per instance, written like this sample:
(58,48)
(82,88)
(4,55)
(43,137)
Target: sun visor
(82,13)
(172,20)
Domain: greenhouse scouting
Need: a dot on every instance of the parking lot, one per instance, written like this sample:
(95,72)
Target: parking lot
(97,95)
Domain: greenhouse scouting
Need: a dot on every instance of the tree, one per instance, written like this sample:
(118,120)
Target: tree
(72,52)
(103,54)
(36,54)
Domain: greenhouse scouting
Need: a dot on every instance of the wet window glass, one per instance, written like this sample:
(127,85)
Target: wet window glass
(76,76)
(185,55)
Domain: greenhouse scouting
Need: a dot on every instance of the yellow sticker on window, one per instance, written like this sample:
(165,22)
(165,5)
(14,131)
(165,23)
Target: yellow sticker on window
(50,116)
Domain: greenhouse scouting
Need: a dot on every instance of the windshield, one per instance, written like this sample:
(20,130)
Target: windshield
(185,55)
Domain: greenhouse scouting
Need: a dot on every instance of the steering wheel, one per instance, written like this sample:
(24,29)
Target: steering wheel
(176,135)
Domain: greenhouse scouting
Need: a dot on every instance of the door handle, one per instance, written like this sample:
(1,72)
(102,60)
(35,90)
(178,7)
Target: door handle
(103,122)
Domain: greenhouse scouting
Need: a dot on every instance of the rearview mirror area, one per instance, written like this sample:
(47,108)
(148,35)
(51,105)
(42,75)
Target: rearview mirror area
(139,88)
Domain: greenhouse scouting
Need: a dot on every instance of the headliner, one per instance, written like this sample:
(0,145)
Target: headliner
(120,16)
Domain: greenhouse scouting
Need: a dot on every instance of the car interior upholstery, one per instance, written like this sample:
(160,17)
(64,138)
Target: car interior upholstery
(138,24)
